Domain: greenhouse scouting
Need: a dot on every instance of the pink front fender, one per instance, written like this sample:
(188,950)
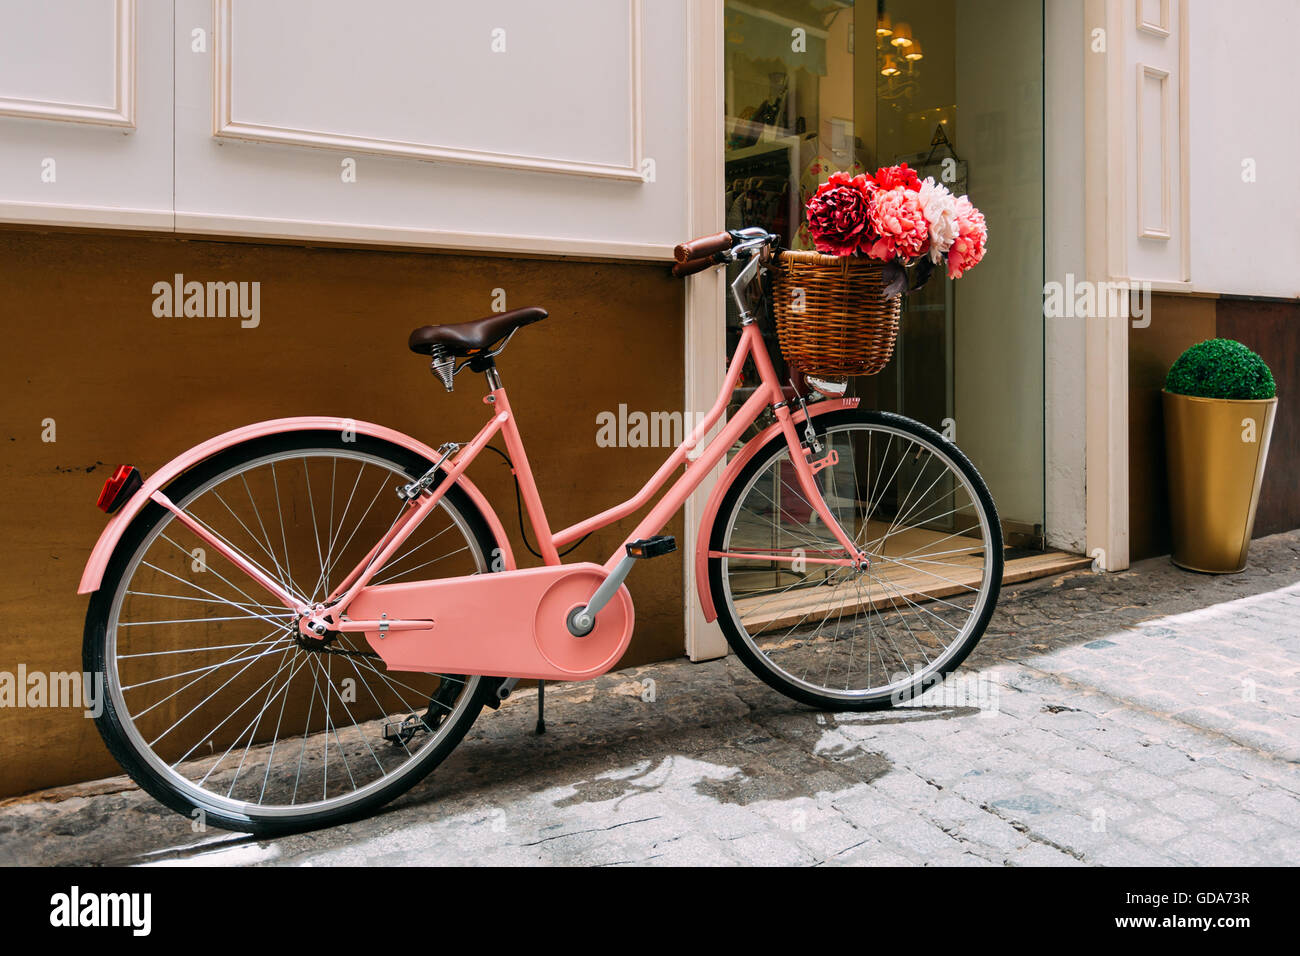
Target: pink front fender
(734,466)
(103,550)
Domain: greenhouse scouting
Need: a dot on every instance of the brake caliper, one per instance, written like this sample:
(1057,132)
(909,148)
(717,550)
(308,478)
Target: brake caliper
(811,443)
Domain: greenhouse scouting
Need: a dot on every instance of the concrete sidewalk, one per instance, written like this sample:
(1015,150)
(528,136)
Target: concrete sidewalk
(1147,717)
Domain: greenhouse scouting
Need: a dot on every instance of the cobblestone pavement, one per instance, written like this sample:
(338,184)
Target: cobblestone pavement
(1147,717)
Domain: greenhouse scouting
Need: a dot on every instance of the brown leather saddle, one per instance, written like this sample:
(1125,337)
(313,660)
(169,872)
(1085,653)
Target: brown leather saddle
(471,338)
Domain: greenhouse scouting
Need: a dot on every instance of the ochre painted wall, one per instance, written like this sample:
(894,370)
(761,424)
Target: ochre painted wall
(83,347)
(1176,322)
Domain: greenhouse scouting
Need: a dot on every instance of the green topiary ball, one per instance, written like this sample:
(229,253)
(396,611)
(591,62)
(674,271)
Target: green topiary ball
(1221,368)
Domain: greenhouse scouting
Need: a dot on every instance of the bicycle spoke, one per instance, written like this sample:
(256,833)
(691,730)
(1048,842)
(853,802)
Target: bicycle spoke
(250,726)
(279,571)
(213,685)
(315,529)
(892,492)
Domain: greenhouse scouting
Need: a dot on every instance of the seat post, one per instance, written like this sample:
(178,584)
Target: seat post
(487,364)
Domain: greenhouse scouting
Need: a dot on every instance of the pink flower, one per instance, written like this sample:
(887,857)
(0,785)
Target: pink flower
(838,214)
(972,237)
(899,225)
(940,208)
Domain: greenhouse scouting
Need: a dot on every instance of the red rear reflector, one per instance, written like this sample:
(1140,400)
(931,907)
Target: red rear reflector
(120,486)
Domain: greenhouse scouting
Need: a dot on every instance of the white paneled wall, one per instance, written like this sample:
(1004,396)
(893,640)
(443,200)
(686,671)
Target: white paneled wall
(1245,139)
(1156,233)
(507,125)
(1201,131)
(1137,124)
(86,112)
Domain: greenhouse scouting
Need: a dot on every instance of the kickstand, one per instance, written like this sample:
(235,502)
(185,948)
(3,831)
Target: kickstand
(541,701)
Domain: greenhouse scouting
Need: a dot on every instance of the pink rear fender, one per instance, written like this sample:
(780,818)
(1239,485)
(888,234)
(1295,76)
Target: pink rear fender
(733,469)
(103,550)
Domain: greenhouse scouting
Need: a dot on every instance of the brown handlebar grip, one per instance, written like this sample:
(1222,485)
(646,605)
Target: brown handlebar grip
(704,246)
(692,266)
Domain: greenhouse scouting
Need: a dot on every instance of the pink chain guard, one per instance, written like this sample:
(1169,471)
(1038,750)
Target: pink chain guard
(508,624)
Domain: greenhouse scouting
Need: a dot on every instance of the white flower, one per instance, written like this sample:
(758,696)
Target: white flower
(940,209)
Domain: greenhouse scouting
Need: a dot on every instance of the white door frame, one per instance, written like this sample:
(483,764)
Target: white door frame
(1106,339)
(705,340)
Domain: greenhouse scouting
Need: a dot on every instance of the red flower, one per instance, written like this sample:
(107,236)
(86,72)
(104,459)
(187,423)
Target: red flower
(838,214)
(891,177)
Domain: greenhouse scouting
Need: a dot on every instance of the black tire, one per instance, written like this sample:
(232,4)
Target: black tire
(732,627)
(95,659)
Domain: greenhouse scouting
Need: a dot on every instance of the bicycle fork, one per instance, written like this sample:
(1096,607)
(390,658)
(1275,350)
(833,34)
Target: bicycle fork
(803,452)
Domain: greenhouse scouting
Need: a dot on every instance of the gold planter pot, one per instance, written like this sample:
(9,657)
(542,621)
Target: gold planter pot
(1216,449)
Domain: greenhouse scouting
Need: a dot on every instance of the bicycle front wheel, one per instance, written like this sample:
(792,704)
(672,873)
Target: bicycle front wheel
(214,702)
(832,636)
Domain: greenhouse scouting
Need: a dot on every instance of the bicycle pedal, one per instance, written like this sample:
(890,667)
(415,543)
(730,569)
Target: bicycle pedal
(652,547)
(400,731)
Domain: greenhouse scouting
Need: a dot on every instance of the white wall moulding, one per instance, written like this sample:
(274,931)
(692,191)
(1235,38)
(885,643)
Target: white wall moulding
(56,54)
(84,217)
(458,83)
(1154,169)
(333,233)
(354,233)
(1153,17)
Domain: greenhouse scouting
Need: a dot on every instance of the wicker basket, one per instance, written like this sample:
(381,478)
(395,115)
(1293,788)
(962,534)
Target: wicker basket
(846,326)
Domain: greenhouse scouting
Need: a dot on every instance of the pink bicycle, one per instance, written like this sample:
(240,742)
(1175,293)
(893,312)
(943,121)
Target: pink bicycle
(287,644)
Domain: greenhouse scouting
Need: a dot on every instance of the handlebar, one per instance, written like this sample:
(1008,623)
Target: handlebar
(692,266)
(704,246)
(733,246)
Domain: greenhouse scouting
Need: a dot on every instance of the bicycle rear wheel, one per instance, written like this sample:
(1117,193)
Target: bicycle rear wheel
(214,703)
(837,638)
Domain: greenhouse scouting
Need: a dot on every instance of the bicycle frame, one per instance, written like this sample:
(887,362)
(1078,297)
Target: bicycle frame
(332,613)
(768,394)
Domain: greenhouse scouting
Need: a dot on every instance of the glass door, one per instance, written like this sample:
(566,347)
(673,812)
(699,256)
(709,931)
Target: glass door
(957,93)
(953,88)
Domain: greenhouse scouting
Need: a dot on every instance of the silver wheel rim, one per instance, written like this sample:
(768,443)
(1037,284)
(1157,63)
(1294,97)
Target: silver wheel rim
(900,687)
(413,756)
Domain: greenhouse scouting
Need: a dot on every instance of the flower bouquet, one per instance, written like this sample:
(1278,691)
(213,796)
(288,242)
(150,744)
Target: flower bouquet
(837,308)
